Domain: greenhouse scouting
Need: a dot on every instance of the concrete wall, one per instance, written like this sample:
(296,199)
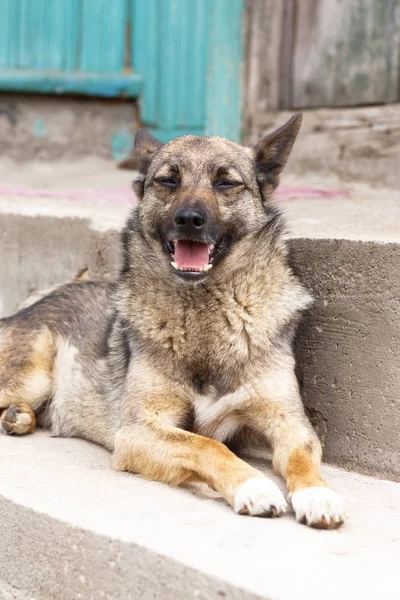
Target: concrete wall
(348,350)
(49,128)
(355,144)
(37,252)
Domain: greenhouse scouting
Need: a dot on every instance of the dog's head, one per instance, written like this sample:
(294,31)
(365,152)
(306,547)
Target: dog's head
(200,196)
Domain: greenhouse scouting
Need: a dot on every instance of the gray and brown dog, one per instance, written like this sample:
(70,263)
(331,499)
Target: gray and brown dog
(192,346)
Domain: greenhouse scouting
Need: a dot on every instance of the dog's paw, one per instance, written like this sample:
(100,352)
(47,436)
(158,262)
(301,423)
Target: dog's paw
(319,507)
(259,497)
(18,419)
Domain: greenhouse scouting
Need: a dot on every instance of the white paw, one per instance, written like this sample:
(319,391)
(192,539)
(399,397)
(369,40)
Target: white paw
(259,497)
(318,507)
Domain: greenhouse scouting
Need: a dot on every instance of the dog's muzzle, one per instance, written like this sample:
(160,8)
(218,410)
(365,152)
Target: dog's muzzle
(189,241)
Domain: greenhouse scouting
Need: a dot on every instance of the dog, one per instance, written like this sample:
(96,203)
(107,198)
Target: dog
(191,347)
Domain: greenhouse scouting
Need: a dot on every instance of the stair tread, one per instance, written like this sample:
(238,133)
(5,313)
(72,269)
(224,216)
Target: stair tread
(95,189)
(70,481)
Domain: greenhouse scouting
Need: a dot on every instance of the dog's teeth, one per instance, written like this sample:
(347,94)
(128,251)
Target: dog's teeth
(203,269)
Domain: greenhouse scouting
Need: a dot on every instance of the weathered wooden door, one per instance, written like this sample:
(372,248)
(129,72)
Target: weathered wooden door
(181,58)
(321,53)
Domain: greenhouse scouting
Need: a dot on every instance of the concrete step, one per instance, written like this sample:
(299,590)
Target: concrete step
(73,528)
(346,250)
(55,128)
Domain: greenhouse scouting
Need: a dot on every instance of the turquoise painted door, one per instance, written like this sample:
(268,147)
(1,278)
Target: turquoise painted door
(181,58)
(170,48)
(66,46)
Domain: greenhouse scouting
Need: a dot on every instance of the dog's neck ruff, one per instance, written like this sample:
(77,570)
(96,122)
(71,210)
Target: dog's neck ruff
(218,333)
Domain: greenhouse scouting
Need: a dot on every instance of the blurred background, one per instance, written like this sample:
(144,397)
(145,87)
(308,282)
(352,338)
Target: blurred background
(78,77)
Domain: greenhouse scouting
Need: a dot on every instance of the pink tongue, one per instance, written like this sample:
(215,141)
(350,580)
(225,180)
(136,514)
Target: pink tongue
(191,255)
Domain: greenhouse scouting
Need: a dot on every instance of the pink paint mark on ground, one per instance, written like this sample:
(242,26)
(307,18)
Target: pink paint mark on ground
(126,196)
(121,195)
(291,192)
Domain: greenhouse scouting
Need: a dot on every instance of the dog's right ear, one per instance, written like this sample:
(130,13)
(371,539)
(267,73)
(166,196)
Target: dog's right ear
(144,149)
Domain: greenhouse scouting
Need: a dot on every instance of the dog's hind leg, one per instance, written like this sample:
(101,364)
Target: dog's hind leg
(26,362)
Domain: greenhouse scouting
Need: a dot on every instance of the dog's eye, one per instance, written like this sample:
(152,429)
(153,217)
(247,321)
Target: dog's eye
(168,182)
(227,185)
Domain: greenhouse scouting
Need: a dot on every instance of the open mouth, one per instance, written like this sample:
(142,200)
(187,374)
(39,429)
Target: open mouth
(191,257)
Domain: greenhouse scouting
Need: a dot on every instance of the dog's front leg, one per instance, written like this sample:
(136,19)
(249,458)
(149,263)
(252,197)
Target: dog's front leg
(277,412)
(297,457)
(153,445)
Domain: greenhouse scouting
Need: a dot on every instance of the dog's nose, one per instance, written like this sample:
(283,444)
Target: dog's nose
(190,220)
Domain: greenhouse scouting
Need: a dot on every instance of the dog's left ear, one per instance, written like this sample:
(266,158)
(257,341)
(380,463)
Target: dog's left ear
(272,152)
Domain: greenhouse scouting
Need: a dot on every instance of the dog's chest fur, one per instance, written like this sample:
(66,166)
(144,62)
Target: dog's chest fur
(215,338)
(218,418)
(207,338)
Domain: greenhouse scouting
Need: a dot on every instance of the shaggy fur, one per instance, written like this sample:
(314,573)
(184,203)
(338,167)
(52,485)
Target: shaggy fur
(163,367)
